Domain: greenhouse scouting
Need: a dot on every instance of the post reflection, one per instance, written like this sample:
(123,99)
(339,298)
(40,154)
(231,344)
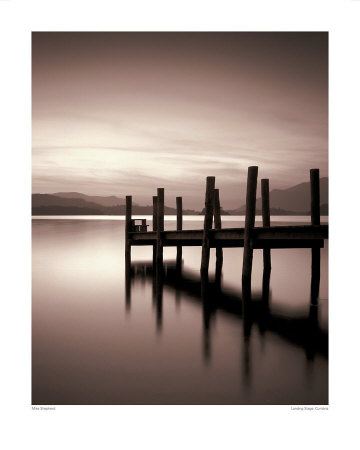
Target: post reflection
(159,277)
(208,312)
(301,331)
(128,274)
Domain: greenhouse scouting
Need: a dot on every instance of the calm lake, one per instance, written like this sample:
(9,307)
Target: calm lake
(92,344)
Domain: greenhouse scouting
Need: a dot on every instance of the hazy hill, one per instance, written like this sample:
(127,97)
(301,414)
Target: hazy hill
(53,200)
(48,204)
(104,201)
(292,200)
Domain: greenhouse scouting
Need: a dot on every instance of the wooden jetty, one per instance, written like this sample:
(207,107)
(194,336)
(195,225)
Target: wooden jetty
(250,237)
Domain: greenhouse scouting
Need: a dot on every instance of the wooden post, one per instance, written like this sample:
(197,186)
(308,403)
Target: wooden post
(160,226)
(315,220)
(128,212)
(128,226)
(315,196)
(155,206)
(128,215)
(249,224)
(205,256)
(265,203)
(154,222)
(217,225)
(179,225)
(159,257)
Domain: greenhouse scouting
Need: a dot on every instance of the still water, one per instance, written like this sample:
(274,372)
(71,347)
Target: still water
(93,344)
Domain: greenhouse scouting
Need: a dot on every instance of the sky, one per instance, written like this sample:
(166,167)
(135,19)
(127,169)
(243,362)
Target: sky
(125,113)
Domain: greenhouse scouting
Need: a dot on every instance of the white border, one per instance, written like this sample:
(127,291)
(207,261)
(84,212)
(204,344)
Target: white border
(197,426)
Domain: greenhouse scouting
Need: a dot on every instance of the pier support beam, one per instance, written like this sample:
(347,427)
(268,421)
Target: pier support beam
(265,203)
(128,213)
(179,225)
(249,225)
(159,257)
(205,256)
(154,224)
(315,220)
(160,225)
(217,225)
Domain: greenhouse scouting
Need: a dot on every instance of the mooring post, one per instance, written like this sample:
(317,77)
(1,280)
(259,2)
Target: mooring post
(249,224)
(315,220)
(160,226)
(265,203)
(179,225)
(128,213)
(155,207)
(217,226)
(128,228)
(154,224)
(205,256)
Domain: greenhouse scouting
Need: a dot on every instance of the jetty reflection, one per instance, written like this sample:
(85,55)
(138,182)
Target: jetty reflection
(302,330)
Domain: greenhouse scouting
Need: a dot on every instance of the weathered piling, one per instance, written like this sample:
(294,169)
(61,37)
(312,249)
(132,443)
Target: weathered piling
(179,225)
(128,227)
(154,223)
(249,225)
(160,225)
(205,255)
(315,220)
(128,213)
(315,196)
(155,207)
(217,226)
(265,203)
(159,257)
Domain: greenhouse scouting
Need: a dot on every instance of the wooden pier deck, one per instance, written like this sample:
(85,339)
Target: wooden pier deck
(249,237)
(303,236)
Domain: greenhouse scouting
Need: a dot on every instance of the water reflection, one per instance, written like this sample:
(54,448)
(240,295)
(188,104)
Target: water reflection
(301,331)
(95,332)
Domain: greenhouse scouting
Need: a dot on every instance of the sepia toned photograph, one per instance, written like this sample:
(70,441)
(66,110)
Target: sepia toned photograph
(179,218)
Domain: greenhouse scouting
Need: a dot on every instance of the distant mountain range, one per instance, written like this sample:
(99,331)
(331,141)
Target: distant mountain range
(104,201)
(291,201)
(74,203)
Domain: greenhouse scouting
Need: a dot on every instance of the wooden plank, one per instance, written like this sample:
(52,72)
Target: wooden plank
(205,255)
(249,224)
(291,232)
(236,243)
(265,203)
(277,232)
